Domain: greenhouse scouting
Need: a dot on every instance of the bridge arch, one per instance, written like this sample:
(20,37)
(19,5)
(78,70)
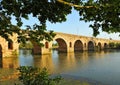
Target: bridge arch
(78,45)
(70,44)
(105,45)
(46,45)
(62,45)
(10,45)
(99,46)
(91,46)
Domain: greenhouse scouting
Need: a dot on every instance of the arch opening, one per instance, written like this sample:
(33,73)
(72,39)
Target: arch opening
(27,45)
(105,46)
(31,45)
(90,46)
(70,44)
(46,45)
(99,46)
(61,45)
(10,45)
(78,46)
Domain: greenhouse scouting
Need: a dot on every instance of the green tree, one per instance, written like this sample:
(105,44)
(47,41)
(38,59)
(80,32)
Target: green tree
(112,45)
(27,45)
(118,45)
(35,76)
(104,14)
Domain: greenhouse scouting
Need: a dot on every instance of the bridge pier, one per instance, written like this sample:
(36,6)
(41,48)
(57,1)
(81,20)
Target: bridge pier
(9,48)
(70,49)
(46,51)
(85,47)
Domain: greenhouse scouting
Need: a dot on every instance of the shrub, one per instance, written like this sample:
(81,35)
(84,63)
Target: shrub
(35,76)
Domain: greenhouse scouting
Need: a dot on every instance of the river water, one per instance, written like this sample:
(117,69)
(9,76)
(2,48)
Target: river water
(98,66)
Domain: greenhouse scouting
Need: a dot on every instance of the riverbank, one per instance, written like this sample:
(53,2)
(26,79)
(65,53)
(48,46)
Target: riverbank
(67,80)
(10,77)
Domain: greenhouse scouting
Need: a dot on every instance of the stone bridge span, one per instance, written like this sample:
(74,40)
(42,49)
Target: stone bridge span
(71,43)
(66,42)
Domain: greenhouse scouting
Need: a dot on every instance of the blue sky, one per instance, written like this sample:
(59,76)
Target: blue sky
(72,26)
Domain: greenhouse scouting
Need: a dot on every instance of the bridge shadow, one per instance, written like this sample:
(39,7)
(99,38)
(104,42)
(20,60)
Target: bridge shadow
(1,62)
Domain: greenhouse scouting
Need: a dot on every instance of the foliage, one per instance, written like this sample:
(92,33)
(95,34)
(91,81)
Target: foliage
(114,45)
(27,45)
(111,45)
(55,44)
(118,45)
(35,76)
(14,53)
(104,14)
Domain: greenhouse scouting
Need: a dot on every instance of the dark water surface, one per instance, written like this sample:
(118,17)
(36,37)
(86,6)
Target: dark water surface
(101,66)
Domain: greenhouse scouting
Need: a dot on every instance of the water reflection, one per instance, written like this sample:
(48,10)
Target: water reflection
(11,62)
(1,62)
(42,61)
(94,65)
(26,58)
(54,62)
(25,52)
(58,62)
(66,61)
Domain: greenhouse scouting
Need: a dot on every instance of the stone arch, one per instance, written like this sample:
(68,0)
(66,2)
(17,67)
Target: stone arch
(70,44)
(62,46)
(99,46)
(78,45)
(85,45)
(91,46)
(105,45)
(10,45)
(46,45)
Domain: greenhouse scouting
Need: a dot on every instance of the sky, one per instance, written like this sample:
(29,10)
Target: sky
(72,26)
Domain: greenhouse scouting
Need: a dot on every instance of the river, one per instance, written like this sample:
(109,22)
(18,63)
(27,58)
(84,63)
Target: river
(97,66)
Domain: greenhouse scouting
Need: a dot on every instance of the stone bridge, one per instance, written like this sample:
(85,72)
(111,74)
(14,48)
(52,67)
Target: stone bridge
(66,42)
(72,43)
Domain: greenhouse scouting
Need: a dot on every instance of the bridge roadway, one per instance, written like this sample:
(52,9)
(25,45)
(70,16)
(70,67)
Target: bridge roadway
(66,42)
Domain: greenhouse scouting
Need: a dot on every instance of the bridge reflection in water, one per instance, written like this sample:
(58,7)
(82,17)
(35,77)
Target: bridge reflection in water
(88,64)
(10,62)
(55,62)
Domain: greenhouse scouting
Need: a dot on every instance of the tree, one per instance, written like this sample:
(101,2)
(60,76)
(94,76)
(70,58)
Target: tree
(104,14)
(36,76)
